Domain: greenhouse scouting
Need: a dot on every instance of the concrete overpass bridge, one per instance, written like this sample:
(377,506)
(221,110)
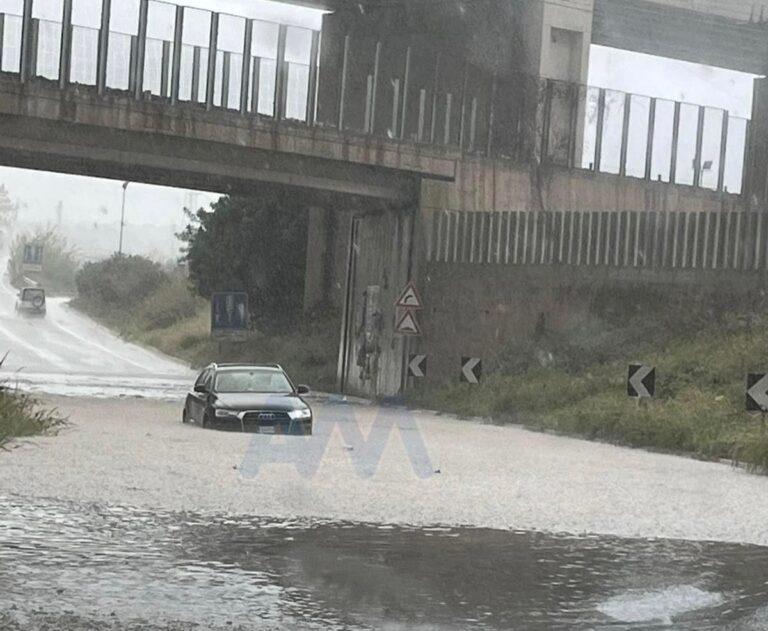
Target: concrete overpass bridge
(412,152)
(724,33)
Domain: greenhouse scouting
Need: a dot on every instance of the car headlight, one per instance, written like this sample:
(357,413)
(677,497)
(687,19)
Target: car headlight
(300,415)
(225,414)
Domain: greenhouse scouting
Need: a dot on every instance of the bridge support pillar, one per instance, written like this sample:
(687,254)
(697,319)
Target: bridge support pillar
(556,41)
(756,163)
(320,237)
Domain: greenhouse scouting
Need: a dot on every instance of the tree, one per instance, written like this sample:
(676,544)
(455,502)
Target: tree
(60,261)
(256,245)
(7,209)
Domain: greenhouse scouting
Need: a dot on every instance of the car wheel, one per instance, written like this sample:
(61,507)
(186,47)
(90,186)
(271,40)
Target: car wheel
(206,424)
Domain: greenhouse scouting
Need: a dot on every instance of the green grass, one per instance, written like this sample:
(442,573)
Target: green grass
(21,416)
(699,409)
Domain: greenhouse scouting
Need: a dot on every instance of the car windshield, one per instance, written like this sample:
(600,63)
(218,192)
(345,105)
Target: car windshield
(33,294)
(253,380)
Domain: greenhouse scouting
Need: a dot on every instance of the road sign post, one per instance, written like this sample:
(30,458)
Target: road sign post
(230,316)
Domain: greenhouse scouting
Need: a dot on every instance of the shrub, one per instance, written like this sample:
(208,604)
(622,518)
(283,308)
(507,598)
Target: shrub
(169,304)
(60,262)
(120,282)
(20,415)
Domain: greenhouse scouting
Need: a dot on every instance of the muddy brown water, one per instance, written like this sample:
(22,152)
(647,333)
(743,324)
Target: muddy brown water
(69,566)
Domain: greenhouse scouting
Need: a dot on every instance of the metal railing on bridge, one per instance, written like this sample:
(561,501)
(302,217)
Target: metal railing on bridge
(395,89)
(728,239)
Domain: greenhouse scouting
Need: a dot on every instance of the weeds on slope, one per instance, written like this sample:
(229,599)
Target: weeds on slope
(699,408)
(21,416)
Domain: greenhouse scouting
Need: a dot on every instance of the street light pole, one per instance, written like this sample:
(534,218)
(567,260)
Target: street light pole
(122,220)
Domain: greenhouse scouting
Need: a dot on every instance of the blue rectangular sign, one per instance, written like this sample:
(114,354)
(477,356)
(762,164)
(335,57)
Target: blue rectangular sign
(229,312)
(33,254)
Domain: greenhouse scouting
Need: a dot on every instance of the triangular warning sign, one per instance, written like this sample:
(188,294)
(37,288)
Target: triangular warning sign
(408,325)
(409,299)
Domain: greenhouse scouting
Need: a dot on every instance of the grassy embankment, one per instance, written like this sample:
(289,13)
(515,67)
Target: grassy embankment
(174,321)
(580,388)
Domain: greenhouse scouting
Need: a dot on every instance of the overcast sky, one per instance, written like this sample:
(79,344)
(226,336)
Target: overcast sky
(87,199)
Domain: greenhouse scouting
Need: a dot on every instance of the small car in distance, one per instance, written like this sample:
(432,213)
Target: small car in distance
(246,397)
(31,301)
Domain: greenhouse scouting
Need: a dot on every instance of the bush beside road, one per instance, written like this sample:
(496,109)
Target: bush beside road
(21,416)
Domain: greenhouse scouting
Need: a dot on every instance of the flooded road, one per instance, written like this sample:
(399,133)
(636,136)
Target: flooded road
(130,520)
(65,353)
(75,566)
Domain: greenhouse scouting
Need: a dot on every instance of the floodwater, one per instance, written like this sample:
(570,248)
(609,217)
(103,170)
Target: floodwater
(67,354)
(76,566)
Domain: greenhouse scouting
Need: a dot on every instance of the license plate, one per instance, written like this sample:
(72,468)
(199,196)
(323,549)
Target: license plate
(267,430)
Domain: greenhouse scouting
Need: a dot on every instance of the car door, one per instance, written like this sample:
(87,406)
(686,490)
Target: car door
(196,400)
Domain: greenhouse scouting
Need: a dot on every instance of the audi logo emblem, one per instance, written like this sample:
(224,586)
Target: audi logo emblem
(267,416)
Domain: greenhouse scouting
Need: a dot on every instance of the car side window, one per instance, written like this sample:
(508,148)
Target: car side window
(202,378)
(209,381)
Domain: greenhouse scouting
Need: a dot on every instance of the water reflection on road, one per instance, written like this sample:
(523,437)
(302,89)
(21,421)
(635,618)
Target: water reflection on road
(113,568)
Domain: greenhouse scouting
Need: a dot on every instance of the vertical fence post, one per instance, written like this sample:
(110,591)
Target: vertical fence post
(599,131)
(213,54)
(745,158)
(165,80)
(435,91)
(625,134)
(34,47)
(103,52)
(574,124)
(723,151)
(546,126)
(255,85)
(374,89)
(280,78)
(697,164)
(492,115)
(65,52)
(406,91)
(675,145)
(141,49)
(133,64)
(226,68)
(26,42)
(196,59)
(463,107)
(178,43)
(312,92)
(649,140)
(245,72)
(2,38)
(343,86)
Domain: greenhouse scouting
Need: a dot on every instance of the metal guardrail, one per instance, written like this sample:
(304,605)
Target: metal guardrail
(395,89)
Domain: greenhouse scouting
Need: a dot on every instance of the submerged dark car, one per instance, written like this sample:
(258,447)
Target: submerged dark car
(246,397)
